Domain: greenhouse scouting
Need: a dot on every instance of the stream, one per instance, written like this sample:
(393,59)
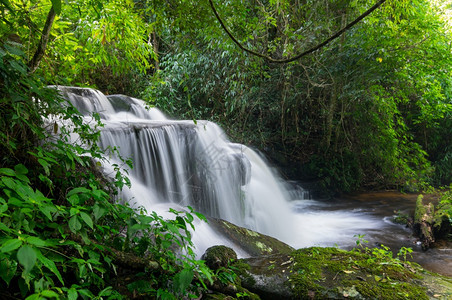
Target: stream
(180,163)
(336,222)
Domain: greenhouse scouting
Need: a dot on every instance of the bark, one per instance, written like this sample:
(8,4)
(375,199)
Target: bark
(40,51)
(125,259)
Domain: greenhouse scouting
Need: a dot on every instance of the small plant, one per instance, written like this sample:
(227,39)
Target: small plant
(242,295)
(360,240)
(404,252)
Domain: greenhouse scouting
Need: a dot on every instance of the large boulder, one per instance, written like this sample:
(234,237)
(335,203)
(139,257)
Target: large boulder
(217,257)
(331,273)
(252,242)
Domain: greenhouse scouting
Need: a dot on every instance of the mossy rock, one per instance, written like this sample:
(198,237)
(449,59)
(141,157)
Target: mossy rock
(252,242)
(432,223)
(331,273)
(219,257)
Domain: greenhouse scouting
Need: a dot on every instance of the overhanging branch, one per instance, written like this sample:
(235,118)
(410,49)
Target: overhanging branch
(313,49)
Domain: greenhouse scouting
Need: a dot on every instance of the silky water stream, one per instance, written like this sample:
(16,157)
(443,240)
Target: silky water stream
(180,163)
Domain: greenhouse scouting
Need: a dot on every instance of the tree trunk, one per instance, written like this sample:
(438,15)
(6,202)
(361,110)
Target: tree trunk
(40,51)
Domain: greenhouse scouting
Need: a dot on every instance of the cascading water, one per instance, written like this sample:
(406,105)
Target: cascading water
(180,163)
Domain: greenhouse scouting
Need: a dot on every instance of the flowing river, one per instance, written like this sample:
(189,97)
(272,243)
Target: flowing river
(335,222)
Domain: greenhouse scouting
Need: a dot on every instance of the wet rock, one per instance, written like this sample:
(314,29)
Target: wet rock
(268,276)
(252,242)
(331,273)
(217,257)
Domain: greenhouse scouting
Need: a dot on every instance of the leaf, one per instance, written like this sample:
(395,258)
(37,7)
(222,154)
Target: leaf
(205,270)
(10,183)
(23,178)
(3,208)
(201,216)
(34,240)
(74,224)
(49,264)
(72,294)
(7,172)
(86,293)
(106,291)
(11,245)
(47,210)
(85,217)
(183,280)
(21,169)
(45,165)
(98,212)
(56,6)
(74,199)
(7,270)
(4,227)
(26,257)
(77,190)
(50,294)
(173,228)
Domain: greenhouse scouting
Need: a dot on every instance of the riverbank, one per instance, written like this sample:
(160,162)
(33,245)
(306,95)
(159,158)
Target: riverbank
(385,206)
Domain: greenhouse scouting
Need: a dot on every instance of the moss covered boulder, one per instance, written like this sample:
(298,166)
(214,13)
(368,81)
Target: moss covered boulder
(331,273)
(219,257)
(252,242)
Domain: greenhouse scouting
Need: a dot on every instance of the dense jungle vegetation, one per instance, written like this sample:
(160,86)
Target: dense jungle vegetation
(370,109)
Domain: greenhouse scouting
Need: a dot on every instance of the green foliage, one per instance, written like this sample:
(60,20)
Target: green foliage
(372,109)
(445,205)
(61,234)
(87,37)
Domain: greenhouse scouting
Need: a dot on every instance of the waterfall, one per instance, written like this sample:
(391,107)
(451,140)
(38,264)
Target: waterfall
(180,163)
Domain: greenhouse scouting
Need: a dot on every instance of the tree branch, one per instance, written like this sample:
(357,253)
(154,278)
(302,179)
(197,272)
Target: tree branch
(313,49)
(34,62)
(124,259)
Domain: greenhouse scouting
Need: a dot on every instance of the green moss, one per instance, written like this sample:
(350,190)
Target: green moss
(219,256)
(320,273)
(386,289)
(264,247)
(251,233)
(420,209)
(241,268)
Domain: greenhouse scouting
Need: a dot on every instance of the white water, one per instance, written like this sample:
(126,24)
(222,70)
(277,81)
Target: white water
(179,163)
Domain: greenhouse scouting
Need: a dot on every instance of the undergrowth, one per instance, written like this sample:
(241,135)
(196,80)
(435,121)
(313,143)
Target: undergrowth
(61,234)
